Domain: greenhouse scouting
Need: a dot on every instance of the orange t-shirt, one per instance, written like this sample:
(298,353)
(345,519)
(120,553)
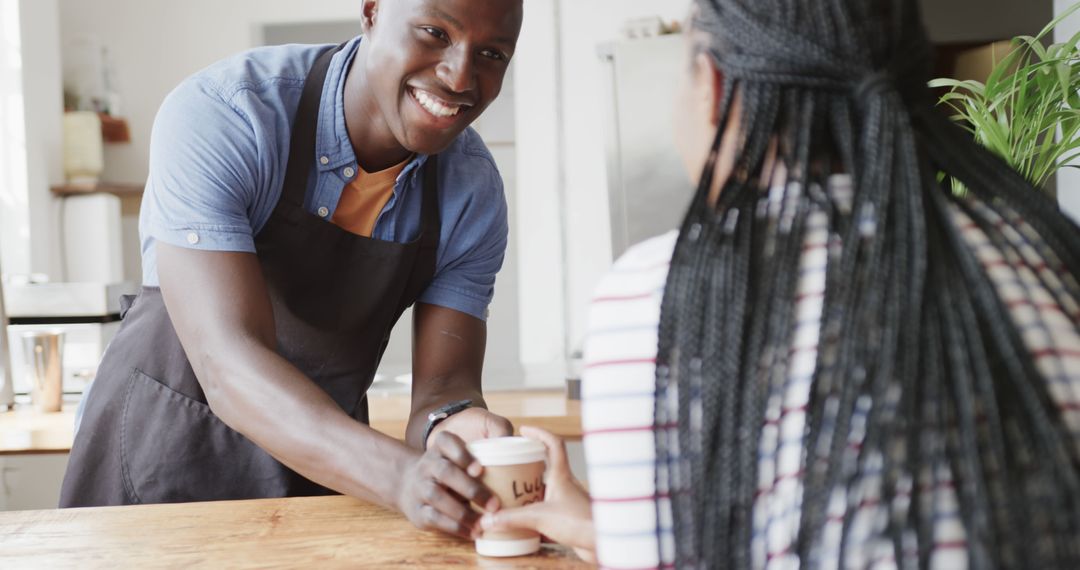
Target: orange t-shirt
(364,199)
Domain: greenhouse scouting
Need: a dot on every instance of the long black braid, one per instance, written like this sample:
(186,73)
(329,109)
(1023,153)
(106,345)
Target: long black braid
(922,379)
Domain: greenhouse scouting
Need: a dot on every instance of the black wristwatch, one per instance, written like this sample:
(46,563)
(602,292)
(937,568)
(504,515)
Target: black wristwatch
(439,414)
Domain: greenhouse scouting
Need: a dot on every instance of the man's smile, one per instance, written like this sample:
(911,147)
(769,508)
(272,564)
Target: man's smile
(436,106)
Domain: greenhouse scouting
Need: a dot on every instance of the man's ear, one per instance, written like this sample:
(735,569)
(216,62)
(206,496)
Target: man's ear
(369,15)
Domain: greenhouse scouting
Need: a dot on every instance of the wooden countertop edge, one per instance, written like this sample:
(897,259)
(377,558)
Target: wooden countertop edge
(567,426)
(36,451)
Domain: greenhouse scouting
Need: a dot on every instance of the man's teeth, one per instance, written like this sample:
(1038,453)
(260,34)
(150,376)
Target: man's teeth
(434,106)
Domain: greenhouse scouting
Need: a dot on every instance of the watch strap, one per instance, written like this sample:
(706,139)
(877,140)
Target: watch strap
(436,416)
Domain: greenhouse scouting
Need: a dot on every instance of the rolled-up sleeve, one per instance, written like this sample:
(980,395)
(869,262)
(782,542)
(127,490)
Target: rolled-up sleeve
(472,250)
(204,161)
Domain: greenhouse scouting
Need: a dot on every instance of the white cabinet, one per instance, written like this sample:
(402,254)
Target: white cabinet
(31,482)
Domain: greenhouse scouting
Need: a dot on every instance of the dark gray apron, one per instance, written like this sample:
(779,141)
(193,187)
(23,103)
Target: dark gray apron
(147,434)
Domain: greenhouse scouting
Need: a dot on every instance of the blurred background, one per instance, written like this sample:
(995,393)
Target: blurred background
(581,134)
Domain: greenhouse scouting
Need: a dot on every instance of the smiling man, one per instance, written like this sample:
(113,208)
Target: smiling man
(300,198)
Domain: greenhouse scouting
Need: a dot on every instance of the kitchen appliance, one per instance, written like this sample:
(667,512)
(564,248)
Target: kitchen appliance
(92,239)
(87,313)
(648,189)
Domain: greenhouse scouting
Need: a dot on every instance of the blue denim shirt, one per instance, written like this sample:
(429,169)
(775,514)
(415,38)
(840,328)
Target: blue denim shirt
(219,151)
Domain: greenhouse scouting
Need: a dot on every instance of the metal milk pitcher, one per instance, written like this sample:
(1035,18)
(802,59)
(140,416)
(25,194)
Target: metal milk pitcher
(43,352)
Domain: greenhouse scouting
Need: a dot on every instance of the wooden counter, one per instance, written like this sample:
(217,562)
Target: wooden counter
(549,410)
(322,532)
(26,431)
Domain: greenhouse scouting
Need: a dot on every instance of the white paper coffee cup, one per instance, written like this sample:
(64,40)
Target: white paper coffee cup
(514,471)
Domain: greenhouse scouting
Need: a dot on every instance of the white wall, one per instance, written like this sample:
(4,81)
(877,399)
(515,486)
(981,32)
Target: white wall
(1068,179)
(14,203)
(563,222)
(539,196)
(31,108)
(155,45)
(44,132)
(584,24)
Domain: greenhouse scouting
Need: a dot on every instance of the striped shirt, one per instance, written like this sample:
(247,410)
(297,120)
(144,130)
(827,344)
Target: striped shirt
(618,395)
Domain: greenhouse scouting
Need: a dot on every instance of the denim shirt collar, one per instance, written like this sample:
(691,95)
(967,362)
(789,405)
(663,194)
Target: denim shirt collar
(332,139)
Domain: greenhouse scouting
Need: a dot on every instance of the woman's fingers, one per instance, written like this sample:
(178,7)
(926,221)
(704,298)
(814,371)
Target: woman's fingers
(548,519)
(558,464)
(530,517)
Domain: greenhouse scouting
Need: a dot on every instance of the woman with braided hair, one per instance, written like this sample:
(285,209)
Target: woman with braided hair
(838,360)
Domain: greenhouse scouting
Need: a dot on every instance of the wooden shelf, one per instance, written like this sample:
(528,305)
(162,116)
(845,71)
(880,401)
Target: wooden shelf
(121,190)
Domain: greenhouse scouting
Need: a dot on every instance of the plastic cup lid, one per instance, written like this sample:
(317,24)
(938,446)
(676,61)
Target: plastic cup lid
(507,451)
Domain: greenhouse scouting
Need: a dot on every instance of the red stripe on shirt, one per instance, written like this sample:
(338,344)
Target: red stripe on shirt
(617,298)
(785,412)
(664,567)
(646,498)
(776,482)
(814,295)
(1056,352)
(865,504)
(625,362)
(628,429)
(778,554)
(1052,307)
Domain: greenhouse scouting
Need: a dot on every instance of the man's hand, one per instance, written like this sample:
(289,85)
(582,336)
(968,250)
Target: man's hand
(437,488)
(473,424)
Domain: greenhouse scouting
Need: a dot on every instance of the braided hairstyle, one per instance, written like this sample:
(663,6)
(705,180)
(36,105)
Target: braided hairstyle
(920,383)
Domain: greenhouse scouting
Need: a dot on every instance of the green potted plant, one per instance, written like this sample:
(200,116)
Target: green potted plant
(1028,111)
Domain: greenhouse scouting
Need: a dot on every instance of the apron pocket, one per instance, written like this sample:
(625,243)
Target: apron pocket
(174,449)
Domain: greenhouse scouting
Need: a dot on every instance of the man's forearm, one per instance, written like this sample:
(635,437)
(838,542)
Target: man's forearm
(261,395)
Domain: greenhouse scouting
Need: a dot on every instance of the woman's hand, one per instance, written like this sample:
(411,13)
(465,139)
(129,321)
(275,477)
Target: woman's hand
(565,515)
(437,489)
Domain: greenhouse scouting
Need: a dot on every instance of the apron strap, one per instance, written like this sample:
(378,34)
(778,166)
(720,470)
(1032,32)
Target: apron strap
(302,144)
(431,220)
